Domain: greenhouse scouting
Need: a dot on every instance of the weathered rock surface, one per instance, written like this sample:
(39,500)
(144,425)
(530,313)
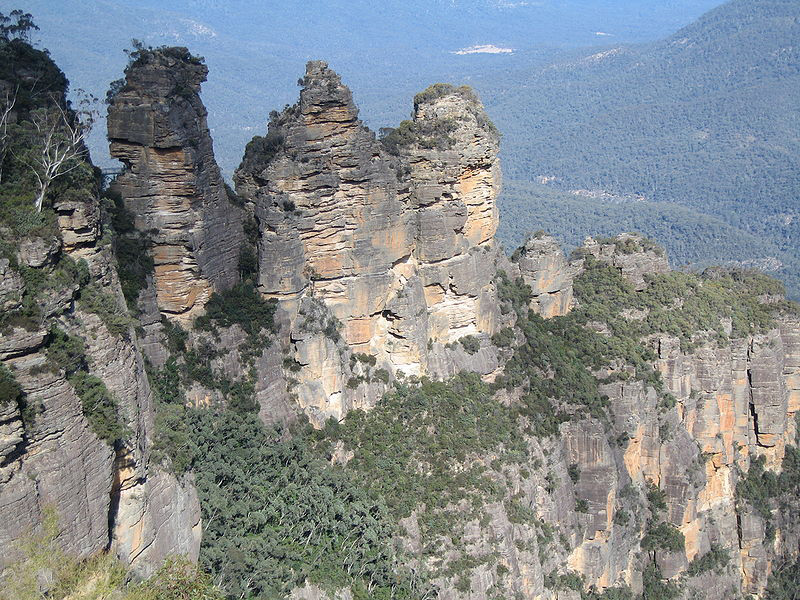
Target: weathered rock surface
(157,128)
(544,267)
(631,253)
(398,249)
(105,497)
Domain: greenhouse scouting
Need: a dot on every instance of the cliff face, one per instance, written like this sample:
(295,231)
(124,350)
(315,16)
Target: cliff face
(76,413)
(380,255)
(731,402)
(397,249)
(157,128)
(105,493)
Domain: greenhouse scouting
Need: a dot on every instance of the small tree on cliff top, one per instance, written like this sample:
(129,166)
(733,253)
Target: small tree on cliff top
(55,142)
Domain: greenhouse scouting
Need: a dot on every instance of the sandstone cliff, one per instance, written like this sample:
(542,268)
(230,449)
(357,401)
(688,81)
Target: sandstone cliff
(157,128)
(397,249)
(76,427)
(604,446)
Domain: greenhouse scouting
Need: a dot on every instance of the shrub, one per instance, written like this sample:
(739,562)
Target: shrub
(96,300)
(65,351)
(176,579)
(574,472)
(663,536)
(713,560)
(10,392)
(470,343)
(99,407)
(241,305)
(503,338)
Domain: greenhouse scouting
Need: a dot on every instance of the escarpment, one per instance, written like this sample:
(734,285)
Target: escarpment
(171,182)
(539,426)
(397,248)
(77,411)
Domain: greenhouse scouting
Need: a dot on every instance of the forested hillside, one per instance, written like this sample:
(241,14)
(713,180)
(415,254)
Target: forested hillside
(706,119)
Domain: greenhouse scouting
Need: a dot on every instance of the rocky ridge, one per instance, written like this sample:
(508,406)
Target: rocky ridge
(380,255)
(171,182)
(65,315)
(398,249)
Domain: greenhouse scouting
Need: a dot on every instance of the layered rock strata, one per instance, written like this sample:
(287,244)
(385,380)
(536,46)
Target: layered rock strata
(157,128)
(105,496)
(398,250)
(545,269)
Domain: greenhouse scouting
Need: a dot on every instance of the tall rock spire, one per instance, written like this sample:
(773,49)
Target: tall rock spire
(393,239)
(157,128)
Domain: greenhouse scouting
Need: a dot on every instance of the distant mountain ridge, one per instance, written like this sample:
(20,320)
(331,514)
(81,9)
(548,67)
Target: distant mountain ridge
(385,51)
(707,118)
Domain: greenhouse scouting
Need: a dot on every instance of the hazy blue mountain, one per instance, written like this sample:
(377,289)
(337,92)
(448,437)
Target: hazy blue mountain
(386,51)
(708,118)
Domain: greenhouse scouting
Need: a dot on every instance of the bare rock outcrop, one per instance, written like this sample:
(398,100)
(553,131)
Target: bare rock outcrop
(107,495)
(157,128)
(393,253)
(545,269)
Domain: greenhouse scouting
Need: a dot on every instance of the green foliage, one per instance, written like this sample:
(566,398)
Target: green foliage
(574,472)
(764,490)
(429,134)
(758,487)
(470,343)
(176,579)
(663,536)
(99,407)
(581,505)
(553,364)
(716,559)
(367,359)
(241,305)
(433,424)
(131,249)
(655,587)
(260,151)
(17,25)
(784,581)
(504,338)
(621,517)
(98,578)
(622,592)
(564,581)
(656,498)
(10,392)
(66,352)
(275,515)
(665,121)
(93,298)
(433,133)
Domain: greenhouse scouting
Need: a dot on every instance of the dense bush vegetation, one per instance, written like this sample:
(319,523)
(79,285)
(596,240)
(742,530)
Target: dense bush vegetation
(275,515)
(242,305)
(439,425)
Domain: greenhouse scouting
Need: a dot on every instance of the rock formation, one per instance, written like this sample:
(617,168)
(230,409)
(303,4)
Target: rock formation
(398,249)
(543,267)
(107,494)
(381,257)
(157,128)
(631,253)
